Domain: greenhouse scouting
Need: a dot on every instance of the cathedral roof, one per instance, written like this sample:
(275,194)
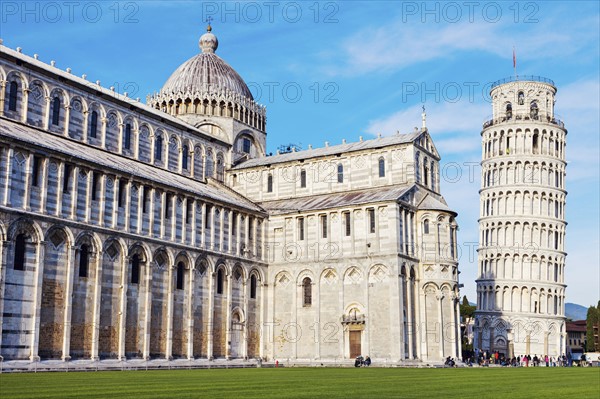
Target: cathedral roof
(430,202)
(335,200)
(212,190)
(331,150)
(206,73)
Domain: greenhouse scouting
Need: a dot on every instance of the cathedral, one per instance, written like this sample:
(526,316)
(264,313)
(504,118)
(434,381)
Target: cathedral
(165,231)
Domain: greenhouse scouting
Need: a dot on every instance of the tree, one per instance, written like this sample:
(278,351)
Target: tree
(592,323)
(467,313)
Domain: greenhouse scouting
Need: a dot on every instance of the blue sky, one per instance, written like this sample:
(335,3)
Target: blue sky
(333,70)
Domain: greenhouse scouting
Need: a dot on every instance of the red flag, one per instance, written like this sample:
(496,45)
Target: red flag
(514,58)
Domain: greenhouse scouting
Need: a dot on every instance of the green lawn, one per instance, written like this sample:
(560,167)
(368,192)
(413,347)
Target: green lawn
(540,382)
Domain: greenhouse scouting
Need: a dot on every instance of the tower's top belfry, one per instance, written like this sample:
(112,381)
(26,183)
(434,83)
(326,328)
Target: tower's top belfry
(523,98)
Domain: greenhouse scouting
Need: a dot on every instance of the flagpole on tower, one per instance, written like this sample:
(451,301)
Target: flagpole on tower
(515,63)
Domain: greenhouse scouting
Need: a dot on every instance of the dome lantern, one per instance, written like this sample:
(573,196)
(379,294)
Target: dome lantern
(208,42)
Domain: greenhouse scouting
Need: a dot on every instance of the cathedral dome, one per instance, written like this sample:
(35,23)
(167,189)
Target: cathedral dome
(206,73)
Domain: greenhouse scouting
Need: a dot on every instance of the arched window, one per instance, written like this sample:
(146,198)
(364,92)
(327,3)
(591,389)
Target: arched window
(536,144)
(220,169)
(19,259)
(302,178)
(220,281)
(127,141)
(135,269)
(426,174)
(521,98)
(306,292)
(509,110)
(253,287)
(533,110)
(426,226)
(180,275)
(381,167)
(55,111)
(84,258)
(12,96)
(158,144)
(340,173)
(270,183)
(93,124)
(184,157)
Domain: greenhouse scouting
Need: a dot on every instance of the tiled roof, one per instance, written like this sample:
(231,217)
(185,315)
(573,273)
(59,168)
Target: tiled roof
(436,204)
(70,148)
(332,150)
(335,200)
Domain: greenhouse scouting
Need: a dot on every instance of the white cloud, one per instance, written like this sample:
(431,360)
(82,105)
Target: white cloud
(442,118)
(397,45)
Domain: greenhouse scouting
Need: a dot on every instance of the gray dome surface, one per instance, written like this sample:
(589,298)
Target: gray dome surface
(206,72)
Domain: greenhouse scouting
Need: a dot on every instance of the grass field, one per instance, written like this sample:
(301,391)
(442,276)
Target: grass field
(539,382)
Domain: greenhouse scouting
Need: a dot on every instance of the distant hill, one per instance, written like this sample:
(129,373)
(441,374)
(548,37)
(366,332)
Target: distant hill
(574,311)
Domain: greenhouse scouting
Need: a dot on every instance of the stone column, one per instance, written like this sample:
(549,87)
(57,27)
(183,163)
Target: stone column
(140,209)
(173,217)
(212,227)
(246,236)
(59,188)
(45,119)
(127,205)
(230,232)
(245,295)
(190,313)
(4,245)
(44,186)
(211,310)
(125,261)
(297,293)
(262,336)
(456,329)
(418,297)
(228,326)
(2,92)
(221,229)
(115,211)
(71,259)
(121,139)
(193,230)
(148,308)
(238,235)
(184,220)
(74,195)
(103,121)
(151,212)
(102,200)
(67,118)
(203,227)
(27,188)
(85,127)
(440,297)
(401,319)
(163,221)
(7,177)
(409,313)
(88,196)
(97,309)
(169,346)
(39,276)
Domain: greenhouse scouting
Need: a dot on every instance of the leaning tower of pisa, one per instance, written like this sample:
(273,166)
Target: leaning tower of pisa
(521,256)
